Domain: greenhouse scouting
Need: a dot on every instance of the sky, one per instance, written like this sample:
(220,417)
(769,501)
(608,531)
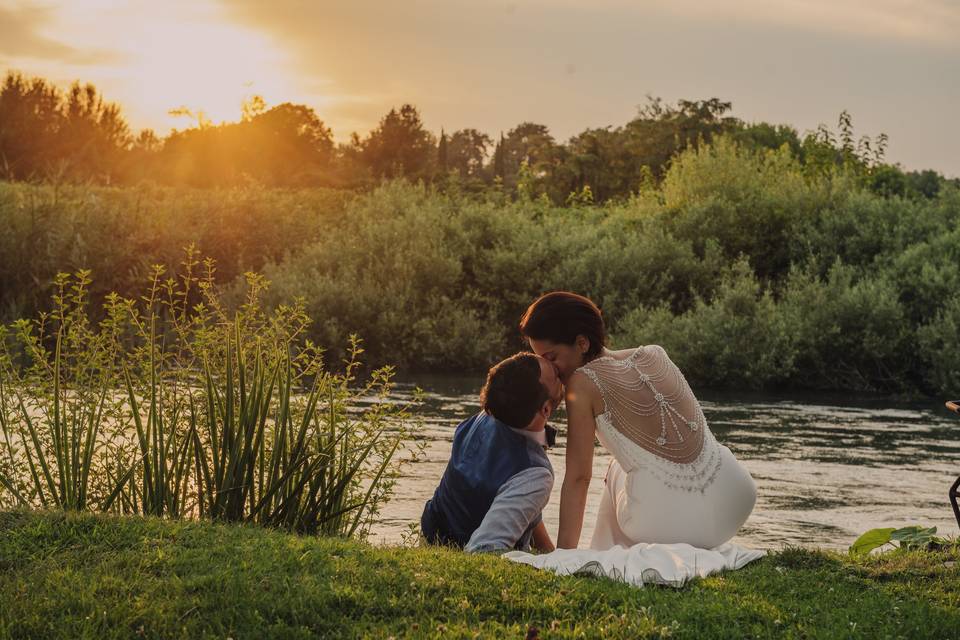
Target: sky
(568,64)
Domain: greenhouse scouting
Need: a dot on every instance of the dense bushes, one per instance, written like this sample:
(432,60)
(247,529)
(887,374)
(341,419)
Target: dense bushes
(119,233)
(751,270)
(438,281)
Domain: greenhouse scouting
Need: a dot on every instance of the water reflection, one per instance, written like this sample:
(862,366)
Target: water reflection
(827,467)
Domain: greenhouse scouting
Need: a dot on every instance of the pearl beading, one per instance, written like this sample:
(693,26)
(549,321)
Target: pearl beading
(620,382)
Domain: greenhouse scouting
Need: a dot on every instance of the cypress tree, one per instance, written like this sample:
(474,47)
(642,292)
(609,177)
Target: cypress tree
(498,161)
(442,152)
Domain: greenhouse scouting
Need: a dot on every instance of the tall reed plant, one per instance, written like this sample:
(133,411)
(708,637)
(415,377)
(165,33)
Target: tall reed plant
(174,405)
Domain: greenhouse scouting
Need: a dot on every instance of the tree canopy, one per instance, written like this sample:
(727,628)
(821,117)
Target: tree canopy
(47,135)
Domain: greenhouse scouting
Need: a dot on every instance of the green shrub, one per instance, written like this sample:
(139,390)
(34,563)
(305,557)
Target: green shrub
(437,281)
(939,342)
(118,234)
(176,409)
(850,331)
(749,201)
(737,339)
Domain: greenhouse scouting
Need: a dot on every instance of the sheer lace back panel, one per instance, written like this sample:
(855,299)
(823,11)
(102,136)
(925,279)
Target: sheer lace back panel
(649,401)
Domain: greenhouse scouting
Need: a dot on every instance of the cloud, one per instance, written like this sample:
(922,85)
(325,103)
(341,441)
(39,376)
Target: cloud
(21,36)
(573,64)
(569,64)
(921,22)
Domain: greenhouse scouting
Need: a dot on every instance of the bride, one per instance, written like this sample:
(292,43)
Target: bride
(670,481)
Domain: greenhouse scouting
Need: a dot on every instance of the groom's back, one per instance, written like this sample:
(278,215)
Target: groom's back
(485,454)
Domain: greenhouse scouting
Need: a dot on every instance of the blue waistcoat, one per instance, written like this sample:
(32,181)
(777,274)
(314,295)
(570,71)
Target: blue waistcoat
(486,453)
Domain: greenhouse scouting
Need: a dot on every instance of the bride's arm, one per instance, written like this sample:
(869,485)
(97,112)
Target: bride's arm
(541,539)
(581,429)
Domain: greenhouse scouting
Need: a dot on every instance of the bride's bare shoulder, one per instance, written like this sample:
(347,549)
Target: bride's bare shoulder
(581,390)
(580,383)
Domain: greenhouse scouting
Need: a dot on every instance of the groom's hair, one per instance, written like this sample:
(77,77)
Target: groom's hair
(513,392)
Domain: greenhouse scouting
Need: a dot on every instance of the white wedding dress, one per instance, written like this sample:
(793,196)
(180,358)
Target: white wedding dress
(674,496)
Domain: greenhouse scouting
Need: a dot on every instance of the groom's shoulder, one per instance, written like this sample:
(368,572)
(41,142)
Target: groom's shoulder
(472,425)
(471,421)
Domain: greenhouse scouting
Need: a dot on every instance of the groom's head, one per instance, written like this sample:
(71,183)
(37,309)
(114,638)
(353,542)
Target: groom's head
(522,391)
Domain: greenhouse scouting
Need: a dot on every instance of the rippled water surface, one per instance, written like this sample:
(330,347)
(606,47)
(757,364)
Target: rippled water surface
(827,468)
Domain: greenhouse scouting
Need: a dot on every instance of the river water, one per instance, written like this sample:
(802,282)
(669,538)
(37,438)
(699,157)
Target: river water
(827,468)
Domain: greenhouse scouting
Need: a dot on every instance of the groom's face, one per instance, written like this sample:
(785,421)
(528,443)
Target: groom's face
(551,380)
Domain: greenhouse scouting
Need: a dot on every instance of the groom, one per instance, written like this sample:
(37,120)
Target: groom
(499,478)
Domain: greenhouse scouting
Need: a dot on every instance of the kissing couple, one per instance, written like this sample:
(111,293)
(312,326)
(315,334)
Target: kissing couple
(670,482)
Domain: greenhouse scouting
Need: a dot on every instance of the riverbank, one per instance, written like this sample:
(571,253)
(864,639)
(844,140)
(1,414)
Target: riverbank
(89,576)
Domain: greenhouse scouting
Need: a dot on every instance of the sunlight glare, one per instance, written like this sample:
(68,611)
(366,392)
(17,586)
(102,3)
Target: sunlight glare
(180,55)
(209,68)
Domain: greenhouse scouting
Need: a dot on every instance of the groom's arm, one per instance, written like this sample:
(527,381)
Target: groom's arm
(519,503)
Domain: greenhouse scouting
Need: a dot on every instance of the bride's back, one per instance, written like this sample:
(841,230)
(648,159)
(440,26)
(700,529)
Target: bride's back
(648,401)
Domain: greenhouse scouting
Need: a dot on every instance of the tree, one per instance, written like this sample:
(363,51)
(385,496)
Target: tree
(400,146)
(925,183)
(763,135)
(499,162)
(468,152)
(660,131)
(93,134)
(43,132)
(824,153)
(252,108)
(30,116)
(598,159)
(532,144)
(442,153)
(285,145)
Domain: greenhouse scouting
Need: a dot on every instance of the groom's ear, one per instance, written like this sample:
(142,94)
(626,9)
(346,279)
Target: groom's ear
(546,409)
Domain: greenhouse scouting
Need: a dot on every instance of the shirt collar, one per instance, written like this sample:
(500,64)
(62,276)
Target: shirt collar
(546,437)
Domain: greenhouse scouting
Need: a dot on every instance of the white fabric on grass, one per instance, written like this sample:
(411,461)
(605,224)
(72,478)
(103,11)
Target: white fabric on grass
(664,564)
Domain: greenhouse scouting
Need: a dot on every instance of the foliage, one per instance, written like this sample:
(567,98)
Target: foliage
(118,234)
(749,269)
(174,408)
(46,134)
(739,337)
(286,145)
(77,137)
(913,537)
(399,146)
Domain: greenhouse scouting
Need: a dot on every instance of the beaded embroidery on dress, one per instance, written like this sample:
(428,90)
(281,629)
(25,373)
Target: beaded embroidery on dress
(651,419)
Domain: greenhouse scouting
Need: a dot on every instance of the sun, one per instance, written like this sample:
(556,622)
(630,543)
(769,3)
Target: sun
(208,68)
(165,56)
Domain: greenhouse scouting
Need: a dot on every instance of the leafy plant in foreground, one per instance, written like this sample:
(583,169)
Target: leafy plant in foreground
(174,406)
(913,537)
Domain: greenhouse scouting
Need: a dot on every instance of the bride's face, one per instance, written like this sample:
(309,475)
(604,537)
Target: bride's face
(565,357)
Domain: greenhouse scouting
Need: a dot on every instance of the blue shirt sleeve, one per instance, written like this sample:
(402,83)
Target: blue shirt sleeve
(518,505)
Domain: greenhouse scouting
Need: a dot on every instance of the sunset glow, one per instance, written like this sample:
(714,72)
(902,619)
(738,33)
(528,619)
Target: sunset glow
(209,68)
(493,65)
(156,58)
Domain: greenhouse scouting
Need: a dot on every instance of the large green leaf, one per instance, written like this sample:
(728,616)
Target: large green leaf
(914,536)
(871,540)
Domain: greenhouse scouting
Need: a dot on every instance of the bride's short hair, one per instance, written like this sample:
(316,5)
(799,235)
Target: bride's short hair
(513,392)
(561,316)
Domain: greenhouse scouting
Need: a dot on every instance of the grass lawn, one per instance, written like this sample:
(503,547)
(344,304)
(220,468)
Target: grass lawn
(90,576)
